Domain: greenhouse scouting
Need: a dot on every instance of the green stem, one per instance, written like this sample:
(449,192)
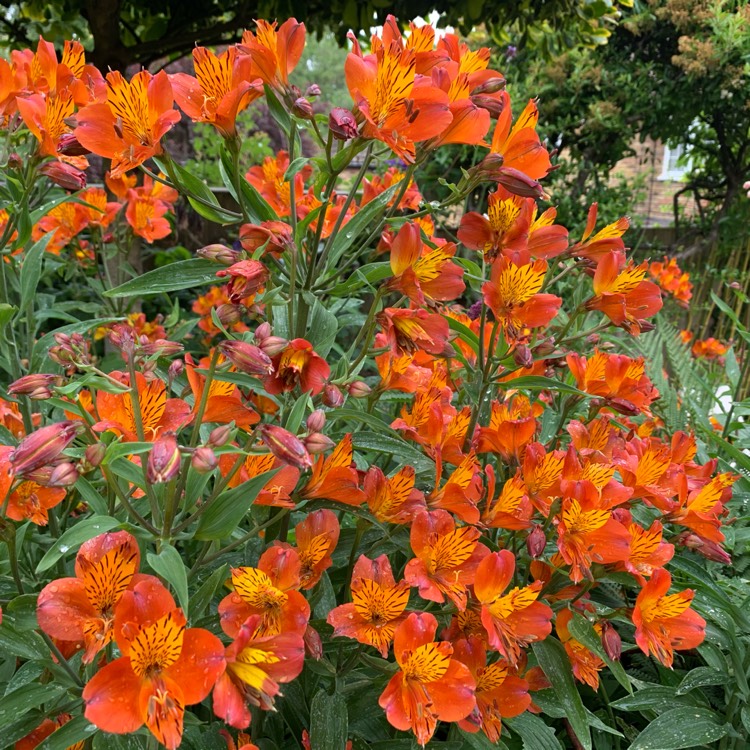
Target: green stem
(62,661)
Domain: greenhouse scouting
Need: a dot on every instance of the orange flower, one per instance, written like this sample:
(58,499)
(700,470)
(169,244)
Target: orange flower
(511,509)
(393,499)
(222,88)
(274,52)
(512,426)
(409,330)
(269,591)
(335,477)
(604,241)
(268,180)
(297,364)
(623,295)
(44,730)
(648,550)
(663,622)
(277,491)
(709,348)
(586,664)
(399,107)
(146,216)
(446,557)
(701,509)
(317,537)
(515,619)
(500,694)
(422,273)
(512,293)
(377,605)
(163,668)
(430,686)
(101,213)
(128,127)
(158,413)
(256,666)
(461,491)
(82,609)
(672,280)
(519,145)
(378,184)
(64,222)
(45,117)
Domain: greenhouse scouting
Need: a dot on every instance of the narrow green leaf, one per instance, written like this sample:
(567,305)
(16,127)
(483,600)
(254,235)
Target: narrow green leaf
(184,274)
(168,564)
(680,728)
(200,600)
(536,735)
(329,722)
(74,537)
(15,705)
(76,730)
(31,269)
(553,660)
(699,677)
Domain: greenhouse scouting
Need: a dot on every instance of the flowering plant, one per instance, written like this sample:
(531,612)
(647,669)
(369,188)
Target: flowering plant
(389,483)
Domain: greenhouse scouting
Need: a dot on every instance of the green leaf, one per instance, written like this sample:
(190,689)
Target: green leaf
(294,420)
(679,728)
(479,741)
(553,660)
(225,513)
(699,677)
(402,451)
(536,735)
(322,329)
(329,722)
(168,564)
(651,698)
(75,730)
(74,537)
(539,382)
(200,600)
(17,703)
(184,274)
(31,269)
(276,108)
(464,333)
(28,645)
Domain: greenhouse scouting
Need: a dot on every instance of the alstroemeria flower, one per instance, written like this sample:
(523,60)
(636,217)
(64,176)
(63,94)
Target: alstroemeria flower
(512,427)
(274,51)
(604,241)
(317,537)
(256,666)
(82,609)
(461,491)
(128,128)
(393,499)
(586,664)
(45,117)
(377,605)
(446,557)
(335,477)
(277,491)
(163,668)
(430,686)
(298,364)
(664,623)
(409,330)
(512,620)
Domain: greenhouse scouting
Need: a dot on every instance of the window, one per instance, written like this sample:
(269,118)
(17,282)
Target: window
(675,164)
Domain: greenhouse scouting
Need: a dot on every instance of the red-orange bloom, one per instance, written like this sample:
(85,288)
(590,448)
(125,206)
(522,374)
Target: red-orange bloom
(500,694)
(221,89)
(44,730)
(373,187)
(101,212)
(82,609)
(586,664)
(163,668)
(269,591)
(335,477)
(146,216)
(512,427)
(409,330)
(377,605)
(45,117)
(670,277)
(274,52)
(512,293)
(701,509)
(604,241)
(64,222)
(430,686)
(664,623)
(317,537)
(422,273)
(515,619)
(298,364)
(277,491)
(256,666)
(128,127)
(446,557)
(511,509)
(393,499)
(268,180)
(461,491)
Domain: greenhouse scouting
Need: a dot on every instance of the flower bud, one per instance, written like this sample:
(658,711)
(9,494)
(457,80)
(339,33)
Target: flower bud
(69,145)
(302,109)
(593,339)
(285,446)
(317,442)
(490,86)
(646,326)
(229,314)
(313,90)
(611,641)
(161,348)
(313,643)
(220,435)
(164,460)
(175,369)
(536,541)
(342,124)
(544,348)
(94,454)
(263,331)
(15,161)
(316,421)
(522,356)
(63,475)
(204,460)
(623,406)
(518,183)
(493,105)
(358,389)
(36,386)
(273,345)
(332,395)
(245,278)
(64,175)
(246,357)
(709,550)
(227,256)
(42,446)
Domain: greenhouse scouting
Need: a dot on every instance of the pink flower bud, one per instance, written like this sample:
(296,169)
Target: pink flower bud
(313,90)
(63,475)
(317,442)
(175,369)
(522,356)
(313,643)
(536,541)
(94,454)
(220,435)
(68,145)
(42,446)
(359,389)
(611,641)
(229,314)
(709,550)
(64,175)
(490,86)
(493,105)
(332,395)
(262,332)
(204,460)
(246,357)
(245,278)
(623,406)
(285,446)
(518,183)
(164,460)
(220,254)
(302,108)
(316,421)
(15,161)
(342,124)
(273,345)
(161,348)
(36,386)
